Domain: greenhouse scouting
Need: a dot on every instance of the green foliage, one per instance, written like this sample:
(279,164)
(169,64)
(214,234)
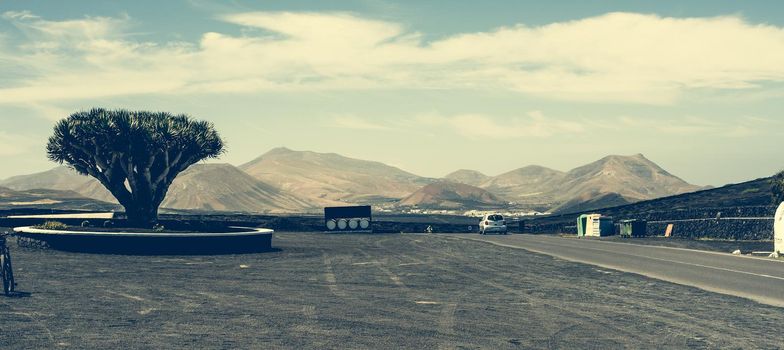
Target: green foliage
(102,134)
(777,188)
(135,154)
(52,225)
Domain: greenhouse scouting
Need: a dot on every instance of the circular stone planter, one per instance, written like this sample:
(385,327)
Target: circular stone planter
(247,240)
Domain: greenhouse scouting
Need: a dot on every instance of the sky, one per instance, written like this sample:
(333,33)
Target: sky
(427,86)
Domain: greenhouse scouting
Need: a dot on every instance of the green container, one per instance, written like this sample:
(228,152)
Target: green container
(582,223)
(633,228)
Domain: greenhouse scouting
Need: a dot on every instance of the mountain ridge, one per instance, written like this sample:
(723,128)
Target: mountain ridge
(285,180)
(634,177)
(451,195)
(50,199)
(224,187)
(219,186)
(332,179)
(467,176)
(612,179)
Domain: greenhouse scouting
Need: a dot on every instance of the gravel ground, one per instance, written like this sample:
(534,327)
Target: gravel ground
(364,291)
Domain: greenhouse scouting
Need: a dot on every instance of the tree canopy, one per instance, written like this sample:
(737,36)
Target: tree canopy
(135,154)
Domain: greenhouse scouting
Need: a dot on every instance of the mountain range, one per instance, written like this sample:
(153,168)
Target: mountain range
(218,187)
(284,180)
(611,180)
(452,195)
(331,179)
(50,199)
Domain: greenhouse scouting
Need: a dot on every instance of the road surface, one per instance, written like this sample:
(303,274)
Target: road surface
(759,279)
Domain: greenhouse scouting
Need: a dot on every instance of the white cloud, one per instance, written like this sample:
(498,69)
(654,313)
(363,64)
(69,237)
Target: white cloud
(342,30)
(617,57)
(477,126)
(690,126)
(63,34)
(19,15)
(355,123)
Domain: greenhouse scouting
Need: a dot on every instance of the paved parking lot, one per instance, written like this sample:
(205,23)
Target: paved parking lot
(365,291)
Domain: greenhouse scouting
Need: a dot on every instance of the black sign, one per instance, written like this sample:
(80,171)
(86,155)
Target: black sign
(355,218)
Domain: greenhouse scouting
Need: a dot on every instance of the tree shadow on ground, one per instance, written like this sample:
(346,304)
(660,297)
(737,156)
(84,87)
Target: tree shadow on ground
(18,294)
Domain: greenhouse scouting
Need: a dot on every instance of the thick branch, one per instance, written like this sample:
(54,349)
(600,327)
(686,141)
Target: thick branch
(168,166)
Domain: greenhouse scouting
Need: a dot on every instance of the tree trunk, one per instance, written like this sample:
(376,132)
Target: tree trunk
(142,216)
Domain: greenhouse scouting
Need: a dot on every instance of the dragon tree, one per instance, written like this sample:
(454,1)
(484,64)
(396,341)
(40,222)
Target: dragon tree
(134,154)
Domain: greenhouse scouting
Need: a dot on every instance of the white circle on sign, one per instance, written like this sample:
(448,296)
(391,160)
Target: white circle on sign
(331,224)
(353,223)
(364,223)
(342,224)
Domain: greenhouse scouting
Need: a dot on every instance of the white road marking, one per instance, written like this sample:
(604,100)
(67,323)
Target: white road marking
(647,257)
(683,249)
(146,311)
(329,276)
(690,264)
(128,296)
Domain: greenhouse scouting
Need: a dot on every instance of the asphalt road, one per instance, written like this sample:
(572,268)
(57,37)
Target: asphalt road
(759,279)
(346,291)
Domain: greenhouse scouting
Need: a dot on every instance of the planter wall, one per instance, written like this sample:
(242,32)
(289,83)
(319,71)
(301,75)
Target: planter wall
(249,241)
